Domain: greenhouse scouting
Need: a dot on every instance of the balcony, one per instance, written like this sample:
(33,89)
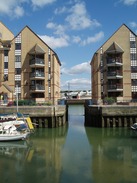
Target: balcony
(37,62)
(37,88)
(37,75)
(114,62)
(114,74)
(115,87)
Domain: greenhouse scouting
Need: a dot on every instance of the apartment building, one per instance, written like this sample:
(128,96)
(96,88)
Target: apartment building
(114,68)
(29,68)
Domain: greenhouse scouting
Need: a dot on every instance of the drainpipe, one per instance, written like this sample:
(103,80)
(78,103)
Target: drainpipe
(53,79)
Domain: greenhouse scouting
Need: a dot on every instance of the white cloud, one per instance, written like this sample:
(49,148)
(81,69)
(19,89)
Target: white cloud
(78,18)
(19,11)
(41,3)
(78,69)
(97,37)
(133,24)
(60,10)
(77,84)
(129,2)
(54,42)
(76,39)
(12,8)
(59,29)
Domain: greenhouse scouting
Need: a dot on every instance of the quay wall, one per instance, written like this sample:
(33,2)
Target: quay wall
(110,116)
(41,116)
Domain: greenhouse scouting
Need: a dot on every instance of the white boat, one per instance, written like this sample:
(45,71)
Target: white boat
(16,119)
(11,133)
(134,126)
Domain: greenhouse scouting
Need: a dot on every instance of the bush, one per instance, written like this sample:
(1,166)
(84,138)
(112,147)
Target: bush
(109,100)
(25,102)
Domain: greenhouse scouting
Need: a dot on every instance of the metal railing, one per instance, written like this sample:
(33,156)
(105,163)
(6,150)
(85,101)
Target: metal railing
(114,73)
(37,61)
(37,74)
(37,87)
(115,86)
(114,61)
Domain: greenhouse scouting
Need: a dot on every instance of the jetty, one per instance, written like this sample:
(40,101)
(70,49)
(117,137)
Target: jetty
(110,115)
(41,116)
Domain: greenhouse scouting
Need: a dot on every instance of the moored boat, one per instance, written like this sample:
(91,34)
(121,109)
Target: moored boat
(16,119)
(11,133)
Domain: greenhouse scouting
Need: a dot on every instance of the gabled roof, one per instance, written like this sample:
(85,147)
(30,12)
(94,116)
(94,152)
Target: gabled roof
(7,87)
(41,40)
(37,49)
(112,36)
(114,48)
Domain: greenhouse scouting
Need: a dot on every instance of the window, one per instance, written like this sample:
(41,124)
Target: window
(133,56)
(17,58)
(18,83)
(134,82)
(134,69)
(49,70)
(5,65)
(17,46)
(132,44)
(5,52)
(18,71)
(5,77)
(49,57)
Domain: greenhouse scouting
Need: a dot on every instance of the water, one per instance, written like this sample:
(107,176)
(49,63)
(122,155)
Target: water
(71,154)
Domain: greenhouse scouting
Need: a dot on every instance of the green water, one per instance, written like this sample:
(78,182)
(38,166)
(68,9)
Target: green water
(71,154)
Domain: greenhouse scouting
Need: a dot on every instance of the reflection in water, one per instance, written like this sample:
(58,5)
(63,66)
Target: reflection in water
(71,154)
(12,158)
(46,163)
(76,154)
(114,155)
(37,161)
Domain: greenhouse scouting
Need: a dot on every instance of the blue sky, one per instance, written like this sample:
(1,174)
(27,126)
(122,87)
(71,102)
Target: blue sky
(74,29)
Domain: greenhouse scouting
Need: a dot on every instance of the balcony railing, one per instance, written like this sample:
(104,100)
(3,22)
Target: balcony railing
(37,87)
(37,74)
(37,61)
(114,61)
(116,86)
(114,74)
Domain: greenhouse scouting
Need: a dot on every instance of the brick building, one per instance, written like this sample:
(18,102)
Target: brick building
(28,67)
(114,68)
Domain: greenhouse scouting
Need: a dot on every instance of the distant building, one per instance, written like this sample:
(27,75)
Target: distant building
(28,66)
(114,67)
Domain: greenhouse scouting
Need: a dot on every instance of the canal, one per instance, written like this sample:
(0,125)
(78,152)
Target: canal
(71,154)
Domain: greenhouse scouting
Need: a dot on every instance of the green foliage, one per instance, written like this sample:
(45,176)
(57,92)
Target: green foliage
(31,103)
(25,102)
(109,100)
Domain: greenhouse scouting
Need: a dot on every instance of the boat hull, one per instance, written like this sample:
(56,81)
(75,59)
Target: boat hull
(13,137)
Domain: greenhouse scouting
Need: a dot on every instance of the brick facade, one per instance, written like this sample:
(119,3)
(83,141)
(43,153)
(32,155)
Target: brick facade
(114,68)
(29,67)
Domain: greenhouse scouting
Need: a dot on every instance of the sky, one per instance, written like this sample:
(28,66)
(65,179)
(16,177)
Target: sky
(74,29)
